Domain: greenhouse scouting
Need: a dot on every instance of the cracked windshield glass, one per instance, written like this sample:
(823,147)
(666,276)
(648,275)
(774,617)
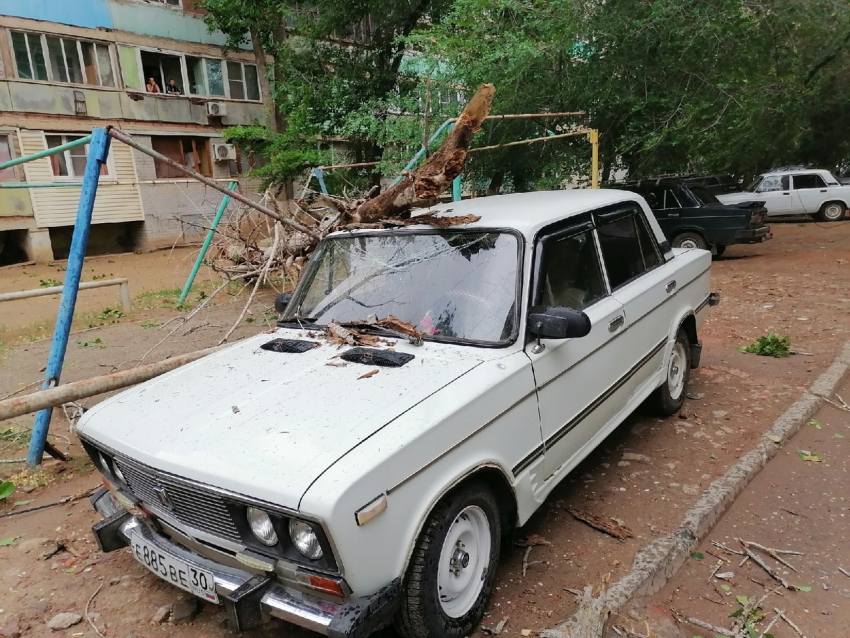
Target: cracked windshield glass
(448,285)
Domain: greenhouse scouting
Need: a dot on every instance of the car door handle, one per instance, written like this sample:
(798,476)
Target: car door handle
(671,286)
(616,323)
(823,190)
(786,193)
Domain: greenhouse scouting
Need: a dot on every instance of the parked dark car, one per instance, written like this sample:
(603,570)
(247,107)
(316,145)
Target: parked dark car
(717,184)
(692,217)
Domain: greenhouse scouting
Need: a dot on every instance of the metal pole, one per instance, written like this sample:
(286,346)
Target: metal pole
(57,185)
(98,152)
(594,167)
(55,290)
(129,141)
(320,177)
(447,124)
(47,153)
(224,202)
(456,189)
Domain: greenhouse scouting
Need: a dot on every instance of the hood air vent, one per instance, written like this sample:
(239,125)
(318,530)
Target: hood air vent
(294,346)
(384,358)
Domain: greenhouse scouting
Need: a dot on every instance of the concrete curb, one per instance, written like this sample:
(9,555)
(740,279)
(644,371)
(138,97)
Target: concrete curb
(656,563)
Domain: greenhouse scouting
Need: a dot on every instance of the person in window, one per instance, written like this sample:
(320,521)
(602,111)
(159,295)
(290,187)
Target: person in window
(172,88)
(152,86)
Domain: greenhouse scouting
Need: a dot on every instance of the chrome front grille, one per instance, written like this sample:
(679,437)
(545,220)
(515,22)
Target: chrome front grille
(190,504)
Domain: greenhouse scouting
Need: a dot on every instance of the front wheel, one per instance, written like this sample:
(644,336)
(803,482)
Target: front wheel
(453,568)
(689,240)
(832,212)
(669,398)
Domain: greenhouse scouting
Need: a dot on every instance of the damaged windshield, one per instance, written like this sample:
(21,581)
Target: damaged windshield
(448,285)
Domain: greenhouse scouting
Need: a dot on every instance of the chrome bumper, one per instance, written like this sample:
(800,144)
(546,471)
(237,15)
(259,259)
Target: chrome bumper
(355,619)
(295,607)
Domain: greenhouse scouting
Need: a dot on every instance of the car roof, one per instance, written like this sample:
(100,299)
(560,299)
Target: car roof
(529,212)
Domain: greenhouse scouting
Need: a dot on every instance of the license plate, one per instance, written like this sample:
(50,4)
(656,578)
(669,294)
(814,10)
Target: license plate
(177,572)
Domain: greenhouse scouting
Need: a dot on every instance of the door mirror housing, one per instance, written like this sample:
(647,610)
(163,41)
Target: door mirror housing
(558,322)
(282,301)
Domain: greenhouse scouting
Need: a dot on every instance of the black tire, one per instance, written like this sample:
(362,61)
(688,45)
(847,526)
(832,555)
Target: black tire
(689,239)
(421,614)
(719,249)
(664,401)
(832,212)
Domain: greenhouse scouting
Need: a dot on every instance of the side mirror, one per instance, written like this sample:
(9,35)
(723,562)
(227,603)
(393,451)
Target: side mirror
(558,322)
(282,301)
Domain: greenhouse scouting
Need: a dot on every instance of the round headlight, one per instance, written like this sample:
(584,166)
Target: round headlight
(261,526)
(118,473)
(103,463)
(305,539)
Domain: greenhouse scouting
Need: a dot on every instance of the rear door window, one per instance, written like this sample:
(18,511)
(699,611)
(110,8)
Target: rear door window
(628,249)
(804,182)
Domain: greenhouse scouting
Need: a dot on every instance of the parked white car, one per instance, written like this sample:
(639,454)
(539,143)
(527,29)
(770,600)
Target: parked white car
(797,192)
(346,488)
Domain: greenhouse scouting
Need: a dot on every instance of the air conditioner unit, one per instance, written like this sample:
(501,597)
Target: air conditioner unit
(216,109)
(224,152)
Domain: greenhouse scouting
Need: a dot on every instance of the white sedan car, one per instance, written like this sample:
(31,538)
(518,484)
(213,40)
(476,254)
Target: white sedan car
(797,192)
(425,390)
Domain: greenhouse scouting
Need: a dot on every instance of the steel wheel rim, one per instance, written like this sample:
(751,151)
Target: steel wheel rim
(688,243)
(833,211)
(464,561)
(676,371)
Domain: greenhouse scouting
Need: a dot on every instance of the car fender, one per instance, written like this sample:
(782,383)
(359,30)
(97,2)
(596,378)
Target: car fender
(487,421)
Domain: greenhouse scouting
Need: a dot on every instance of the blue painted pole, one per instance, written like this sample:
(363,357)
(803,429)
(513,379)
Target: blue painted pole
(320,177)
(98,152)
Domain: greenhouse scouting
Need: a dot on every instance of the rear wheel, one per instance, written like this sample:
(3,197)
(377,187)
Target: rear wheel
(668,399)
(453,568)
(832,212)
(689,240)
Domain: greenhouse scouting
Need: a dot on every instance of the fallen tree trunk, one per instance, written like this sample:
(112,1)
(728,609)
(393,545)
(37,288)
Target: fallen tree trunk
(54,397)
(436,174)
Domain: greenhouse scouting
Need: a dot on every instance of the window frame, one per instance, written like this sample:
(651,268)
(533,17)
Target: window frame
(63,43)
(184,72)
(13,177)
(615,213)
(808,188)
(199,158)
(564,229)
(110,166)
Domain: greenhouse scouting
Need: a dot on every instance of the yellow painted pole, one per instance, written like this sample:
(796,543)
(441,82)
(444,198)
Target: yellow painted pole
(594,170)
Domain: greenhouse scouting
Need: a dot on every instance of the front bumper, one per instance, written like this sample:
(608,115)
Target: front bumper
(250,599)
(753,235)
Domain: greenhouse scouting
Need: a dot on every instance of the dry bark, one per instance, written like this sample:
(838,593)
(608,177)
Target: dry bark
(602,523)
(429,180)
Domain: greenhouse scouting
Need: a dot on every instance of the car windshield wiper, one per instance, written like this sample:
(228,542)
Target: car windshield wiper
(296,320)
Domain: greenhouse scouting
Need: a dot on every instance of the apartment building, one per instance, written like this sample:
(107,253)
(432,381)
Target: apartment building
(148,67)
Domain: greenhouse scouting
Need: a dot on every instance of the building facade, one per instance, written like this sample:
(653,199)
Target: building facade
(148,67)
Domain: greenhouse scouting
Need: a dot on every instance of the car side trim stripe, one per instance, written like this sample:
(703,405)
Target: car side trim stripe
(581,416)
(702,304)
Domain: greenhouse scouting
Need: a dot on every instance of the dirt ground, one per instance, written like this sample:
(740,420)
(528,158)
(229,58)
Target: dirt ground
(793,504)
(795,285)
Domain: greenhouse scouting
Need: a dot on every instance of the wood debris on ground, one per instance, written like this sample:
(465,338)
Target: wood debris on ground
(602,523)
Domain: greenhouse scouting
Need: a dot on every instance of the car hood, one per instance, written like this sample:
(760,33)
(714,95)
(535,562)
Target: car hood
(267,424)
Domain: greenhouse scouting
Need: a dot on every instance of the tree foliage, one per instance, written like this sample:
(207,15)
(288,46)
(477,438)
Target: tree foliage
(673,86)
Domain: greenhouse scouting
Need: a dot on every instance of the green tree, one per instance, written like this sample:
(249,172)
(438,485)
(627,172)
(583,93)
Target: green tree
(729,85)
(337,71)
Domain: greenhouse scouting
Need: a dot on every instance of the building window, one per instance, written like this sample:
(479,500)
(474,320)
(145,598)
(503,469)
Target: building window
(191,152)
(70,163)
(43,57)
(192,75)
(246,162)
(5,156)
(243,80)
(170,3)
